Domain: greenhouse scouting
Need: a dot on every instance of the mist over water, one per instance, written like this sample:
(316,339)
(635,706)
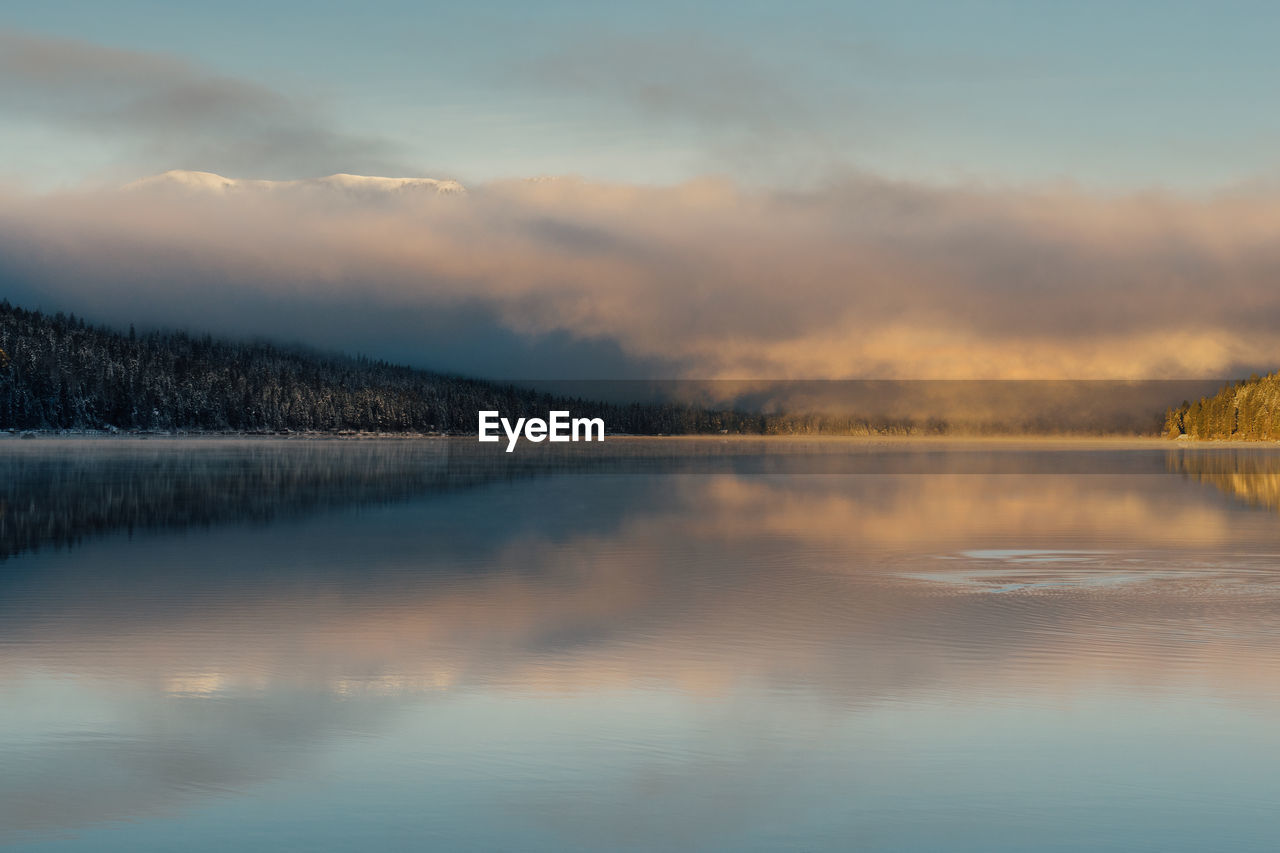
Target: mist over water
(645,644)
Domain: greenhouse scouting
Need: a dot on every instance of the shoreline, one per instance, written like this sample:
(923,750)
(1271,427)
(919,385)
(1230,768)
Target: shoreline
(1063,439)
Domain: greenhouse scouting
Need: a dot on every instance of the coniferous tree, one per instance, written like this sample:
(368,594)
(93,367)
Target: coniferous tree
(1248,410)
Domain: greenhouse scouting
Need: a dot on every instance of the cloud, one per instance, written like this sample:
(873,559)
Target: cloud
(862,278)
(676,77)
(742,108)
(164,111)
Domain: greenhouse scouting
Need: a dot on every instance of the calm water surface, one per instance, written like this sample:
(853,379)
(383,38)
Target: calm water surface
(654,645)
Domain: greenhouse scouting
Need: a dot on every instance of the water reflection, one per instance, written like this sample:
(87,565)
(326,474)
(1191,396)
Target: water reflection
(1250,475)
(58,492)
(664,635)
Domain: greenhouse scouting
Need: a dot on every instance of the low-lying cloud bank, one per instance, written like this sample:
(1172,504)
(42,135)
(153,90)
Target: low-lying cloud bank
(564,278)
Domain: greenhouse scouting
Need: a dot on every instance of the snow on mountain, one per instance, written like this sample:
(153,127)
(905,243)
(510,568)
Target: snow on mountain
(368,182)
(351,185)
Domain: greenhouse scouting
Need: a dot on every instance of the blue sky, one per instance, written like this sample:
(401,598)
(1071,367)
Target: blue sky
(1112,96)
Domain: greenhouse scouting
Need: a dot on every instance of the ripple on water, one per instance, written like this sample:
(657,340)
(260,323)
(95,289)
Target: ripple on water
(1030,570)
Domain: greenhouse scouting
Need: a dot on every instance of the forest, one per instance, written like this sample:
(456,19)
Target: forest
(58,372)
(1248,410)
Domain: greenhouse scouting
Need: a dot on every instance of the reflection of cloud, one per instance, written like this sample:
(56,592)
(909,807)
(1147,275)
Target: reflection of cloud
(677,585)
(867,278)
(946,512)
(702,585)
(132,767)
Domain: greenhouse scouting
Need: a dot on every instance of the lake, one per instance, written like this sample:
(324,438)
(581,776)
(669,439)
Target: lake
(650,644)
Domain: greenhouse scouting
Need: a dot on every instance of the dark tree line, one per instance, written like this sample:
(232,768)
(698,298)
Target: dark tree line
(65,374)
(58,372)
(1248,410)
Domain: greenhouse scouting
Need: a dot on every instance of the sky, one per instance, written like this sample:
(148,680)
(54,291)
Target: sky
(1109,95)
(745,190)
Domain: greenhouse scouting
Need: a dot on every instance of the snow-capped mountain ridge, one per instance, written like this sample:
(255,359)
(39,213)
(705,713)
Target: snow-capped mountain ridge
(195,181)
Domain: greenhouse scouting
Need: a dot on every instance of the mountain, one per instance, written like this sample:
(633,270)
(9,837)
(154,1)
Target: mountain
(350,185)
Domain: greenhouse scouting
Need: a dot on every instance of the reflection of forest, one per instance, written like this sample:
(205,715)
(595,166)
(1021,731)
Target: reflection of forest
(55,492)
(1250,476)
(59,493)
